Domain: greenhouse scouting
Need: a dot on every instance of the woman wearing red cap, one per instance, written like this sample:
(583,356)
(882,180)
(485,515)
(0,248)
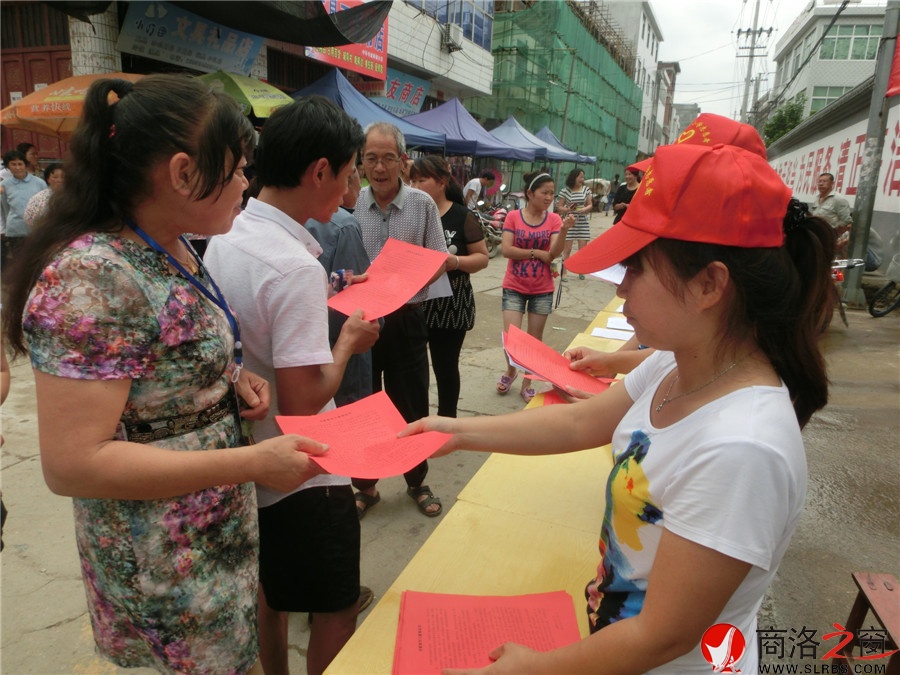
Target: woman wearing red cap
(727,278)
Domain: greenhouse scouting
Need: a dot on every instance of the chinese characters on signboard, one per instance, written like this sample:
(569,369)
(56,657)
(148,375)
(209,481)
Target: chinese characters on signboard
(164,32)
(369,58)
(401,94)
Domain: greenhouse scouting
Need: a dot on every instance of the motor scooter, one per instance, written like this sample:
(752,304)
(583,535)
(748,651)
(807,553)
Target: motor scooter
(491,220)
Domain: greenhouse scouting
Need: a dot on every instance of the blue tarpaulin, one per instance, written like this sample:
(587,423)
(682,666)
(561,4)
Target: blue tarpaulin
(336,87)
(546,135)
(465,136)
(513,133)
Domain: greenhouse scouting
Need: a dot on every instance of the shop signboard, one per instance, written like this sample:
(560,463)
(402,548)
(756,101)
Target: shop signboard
(168,33)
(402,94)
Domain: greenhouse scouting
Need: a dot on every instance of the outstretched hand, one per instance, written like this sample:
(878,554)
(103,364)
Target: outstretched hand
(508,659)
(447,425)
(571,394)
(599,364)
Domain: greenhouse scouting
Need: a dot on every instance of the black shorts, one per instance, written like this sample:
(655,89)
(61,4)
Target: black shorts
(309,550)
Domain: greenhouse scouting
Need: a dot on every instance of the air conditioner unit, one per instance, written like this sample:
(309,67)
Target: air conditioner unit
(451,37)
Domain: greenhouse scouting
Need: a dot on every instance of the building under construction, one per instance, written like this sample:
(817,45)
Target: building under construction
(565,65)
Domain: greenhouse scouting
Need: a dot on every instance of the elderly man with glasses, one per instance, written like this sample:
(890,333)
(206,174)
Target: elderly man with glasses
(388,208)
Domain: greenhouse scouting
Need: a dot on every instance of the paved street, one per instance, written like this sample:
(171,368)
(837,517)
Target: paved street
(851,520)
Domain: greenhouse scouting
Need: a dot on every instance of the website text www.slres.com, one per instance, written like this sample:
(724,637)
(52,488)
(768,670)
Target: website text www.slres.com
(822,668)
(777,645)
(792,650)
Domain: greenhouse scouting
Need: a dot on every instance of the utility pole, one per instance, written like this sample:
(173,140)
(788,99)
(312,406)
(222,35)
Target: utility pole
(868,171)
(754,34)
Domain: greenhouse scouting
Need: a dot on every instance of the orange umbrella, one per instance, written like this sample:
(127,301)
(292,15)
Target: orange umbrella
(55,109)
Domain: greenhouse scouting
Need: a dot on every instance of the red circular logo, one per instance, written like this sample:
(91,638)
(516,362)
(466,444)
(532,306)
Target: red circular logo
(723,646)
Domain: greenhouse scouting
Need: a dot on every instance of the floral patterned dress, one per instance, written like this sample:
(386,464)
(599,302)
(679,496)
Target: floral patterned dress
(171,583)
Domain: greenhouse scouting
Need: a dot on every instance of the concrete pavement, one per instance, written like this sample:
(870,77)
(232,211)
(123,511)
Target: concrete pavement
(851,520)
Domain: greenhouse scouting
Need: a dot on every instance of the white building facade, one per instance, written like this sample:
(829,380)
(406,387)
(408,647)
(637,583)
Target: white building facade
(844,59)
(448,44)
(639,26)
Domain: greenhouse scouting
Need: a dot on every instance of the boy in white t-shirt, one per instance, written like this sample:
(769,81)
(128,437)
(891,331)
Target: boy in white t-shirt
(266,266)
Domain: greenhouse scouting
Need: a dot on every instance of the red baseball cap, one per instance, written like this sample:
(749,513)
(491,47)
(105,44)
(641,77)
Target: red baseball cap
(708,130)
(715,195)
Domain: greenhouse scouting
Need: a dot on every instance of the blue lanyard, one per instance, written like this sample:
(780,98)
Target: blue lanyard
(218,299)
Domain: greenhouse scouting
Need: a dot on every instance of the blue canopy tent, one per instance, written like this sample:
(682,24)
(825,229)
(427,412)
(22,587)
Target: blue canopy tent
(549,137)
(464,135)
(513,133)
(336,87)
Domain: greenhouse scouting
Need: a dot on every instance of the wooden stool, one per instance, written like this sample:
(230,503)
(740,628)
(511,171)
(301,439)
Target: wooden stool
(879,593)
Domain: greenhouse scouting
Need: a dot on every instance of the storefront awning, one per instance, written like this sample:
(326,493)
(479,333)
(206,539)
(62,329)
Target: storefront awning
(301,23)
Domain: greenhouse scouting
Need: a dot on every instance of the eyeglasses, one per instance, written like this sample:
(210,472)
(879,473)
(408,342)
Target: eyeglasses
(370,161)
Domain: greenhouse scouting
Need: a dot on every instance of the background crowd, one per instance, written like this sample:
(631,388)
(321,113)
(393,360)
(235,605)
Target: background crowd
(200,528)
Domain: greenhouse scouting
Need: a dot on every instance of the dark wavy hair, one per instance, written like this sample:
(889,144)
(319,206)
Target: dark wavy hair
(573,174)
(435,166)
(113,152)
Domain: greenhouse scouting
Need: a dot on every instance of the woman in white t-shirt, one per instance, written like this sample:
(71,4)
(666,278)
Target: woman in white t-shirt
(709,472)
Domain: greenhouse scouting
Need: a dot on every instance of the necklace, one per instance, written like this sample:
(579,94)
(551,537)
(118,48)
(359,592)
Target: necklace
(666,398)
(188,264)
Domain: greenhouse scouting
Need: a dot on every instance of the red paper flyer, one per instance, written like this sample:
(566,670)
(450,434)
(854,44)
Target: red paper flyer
(399,272)
(547,364)
(438,631)
(362,438)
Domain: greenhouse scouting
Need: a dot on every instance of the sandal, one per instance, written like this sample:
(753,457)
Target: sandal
(528,394)
(368,502)
(505,382)
(425,491)
(366,595)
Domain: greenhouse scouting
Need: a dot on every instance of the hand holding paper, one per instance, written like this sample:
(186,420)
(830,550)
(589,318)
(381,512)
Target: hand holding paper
(546,363)
(363,438)
(438,631)
(399,272)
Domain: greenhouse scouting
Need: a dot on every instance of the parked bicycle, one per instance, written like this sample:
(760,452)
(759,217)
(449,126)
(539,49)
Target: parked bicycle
(887,298)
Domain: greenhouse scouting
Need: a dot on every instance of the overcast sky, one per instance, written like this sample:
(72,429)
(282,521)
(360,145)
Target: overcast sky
(702,36)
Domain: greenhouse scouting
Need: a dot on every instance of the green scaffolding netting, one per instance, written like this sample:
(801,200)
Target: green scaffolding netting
(551,70)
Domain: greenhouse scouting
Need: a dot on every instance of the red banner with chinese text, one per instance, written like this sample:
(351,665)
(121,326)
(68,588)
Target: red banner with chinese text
(369,59)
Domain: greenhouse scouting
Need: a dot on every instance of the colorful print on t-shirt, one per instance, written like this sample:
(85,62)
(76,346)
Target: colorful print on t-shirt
(614,594)
(530,277)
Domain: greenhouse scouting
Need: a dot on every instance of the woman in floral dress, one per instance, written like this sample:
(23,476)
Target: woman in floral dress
(134,353)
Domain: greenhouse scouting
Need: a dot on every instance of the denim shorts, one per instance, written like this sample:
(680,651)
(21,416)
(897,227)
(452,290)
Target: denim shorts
(540,303)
